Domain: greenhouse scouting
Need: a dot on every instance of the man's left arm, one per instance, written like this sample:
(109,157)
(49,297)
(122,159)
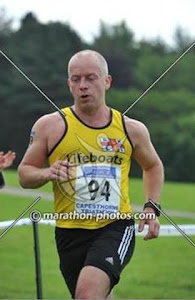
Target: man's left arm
(153,172)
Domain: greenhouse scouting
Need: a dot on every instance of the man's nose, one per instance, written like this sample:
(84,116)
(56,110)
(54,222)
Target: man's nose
(83,84)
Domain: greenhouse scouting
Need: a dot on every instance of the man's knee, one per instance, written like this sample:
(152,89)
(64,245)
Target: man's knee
(93,283)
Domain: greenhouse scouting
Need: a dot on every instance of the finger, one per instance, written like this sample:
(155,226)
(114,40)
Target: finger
(53,177)
(67,168)
(7,154)
(8,160)
(61,164)
(13,155)
(54,174)
(57,166)
(67,164)
(63,174)
(148,236)
(157,229)
(2,159)
(151,231)
(141,225)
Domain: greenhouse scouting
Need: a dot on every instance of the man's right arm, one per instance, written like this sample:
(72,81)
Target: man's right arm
(31,171)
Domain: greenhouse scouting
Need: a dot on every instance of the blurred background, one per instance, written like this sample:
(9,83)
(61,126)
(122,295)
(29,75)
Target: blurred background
(40,38)
(139,39)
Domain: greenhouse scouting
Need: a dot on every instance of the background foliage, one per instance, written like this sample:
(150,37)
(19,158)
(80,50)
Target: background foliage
(43,50)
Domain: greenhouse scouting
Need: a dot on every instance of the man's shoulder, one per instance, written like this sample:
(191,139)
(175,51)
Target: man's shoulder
(55,116)
(133,124)
(136,129)
(49,120)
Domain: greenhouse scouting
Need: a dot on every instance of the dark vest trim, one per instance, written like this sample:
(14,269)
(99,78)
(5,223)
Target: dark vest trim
(125,130)
(65,131)
(103,127)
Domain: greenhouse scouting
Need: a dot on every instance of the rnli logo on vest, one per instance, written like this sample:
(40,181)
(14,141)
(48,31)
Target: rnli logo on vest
(111,145)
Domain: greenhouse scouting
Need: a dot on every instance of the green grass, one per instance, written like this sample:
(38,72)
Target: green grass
(176,196)
(17,265)
(163,268)
(13,206)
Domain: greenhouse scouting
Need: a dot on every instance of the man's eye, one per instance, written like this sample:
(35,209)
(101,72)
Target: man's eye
(75,79)
(91,78)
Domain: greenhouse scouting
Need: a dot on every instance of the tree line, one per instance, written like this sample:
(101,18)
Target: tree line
(42,51)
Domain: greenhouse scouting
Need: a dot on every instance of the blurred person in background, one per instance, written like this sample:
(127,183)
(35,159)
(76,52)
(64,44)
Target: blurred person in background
(6,160)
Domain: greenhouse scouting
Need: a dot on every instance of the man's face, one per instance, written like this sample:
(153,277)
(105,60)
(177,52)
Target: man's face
(88,82)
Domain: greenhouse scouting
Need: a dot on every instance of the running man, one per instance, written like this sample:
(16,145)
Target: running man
(89,148)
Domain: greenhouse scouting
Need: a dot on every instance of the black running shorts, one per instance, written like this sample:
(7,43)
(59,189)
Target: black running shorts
(109,248)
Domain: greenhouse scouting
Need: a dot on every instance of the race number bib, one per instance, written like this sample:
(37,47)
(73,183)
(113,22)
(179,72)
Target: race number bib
(97,189)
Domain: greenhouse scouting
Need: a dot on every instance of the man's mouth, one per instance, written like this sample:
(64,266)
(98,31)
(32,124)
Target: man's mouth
(84,96)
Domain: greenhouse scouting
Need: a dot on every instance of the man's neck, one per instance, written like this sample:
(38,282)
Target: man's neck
(98,117)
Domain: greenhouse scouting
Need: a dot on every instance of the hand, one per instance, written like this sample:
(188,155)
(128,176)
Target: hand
(153,226)
(62,171)
(6,160)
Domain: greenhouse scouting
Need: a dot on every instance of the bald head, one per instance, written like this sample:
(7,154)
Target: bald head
(89,55)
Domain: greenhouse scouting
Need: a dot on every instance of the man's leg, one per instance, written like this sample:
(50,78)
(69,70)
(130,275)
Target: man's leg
(72,247)
(106,257)
(93,283)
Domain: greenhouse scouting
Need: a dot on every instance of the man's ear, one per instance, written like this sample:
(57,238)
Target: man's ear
(108,82)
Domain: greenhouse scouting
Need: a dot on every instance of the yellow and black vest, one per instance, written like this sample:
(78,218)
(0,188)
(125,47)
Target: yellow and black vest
(100,186)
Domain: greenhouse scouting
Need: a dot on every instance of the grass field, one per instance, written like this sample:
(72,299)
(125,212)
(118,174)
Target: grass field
(160,269)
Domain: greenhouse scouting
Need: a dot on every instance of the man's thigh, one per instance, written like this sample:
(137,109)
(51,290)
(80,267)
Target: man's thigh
(112,249)
(72,245)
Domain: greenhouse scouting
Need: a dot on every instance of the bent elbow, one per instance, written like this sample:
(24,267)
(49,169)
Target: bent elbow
(23,184)
(21,177)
